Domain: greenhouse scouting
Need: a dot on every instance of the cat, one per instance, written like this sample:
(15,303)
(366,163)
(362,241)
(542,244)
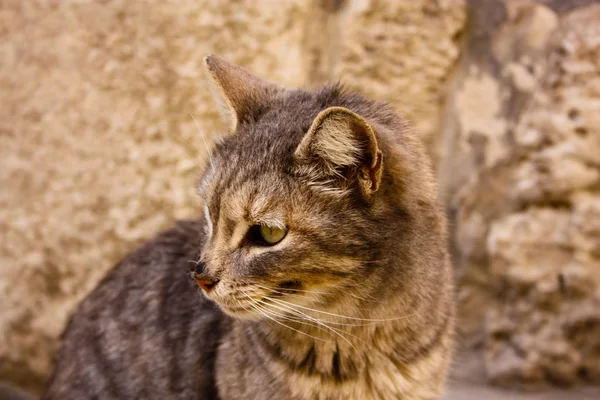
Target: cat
(321,257)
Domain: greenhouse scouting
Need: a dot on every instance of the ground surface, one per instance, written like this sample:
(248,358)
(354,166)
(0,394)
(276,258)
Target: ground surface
(464,391)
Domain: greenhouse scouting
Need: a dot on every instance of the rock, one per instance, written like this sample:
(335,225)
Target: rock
(402,52)
(523,183)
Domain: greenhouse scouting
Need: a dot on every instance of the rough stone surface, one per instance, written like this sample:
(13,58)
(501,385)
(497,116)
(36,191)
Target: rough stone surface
(523,181)
(402,52)
(460,391)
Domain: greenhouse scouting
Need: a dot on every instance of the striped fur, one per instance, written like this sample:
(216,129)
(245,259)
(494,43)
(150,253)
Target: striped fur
(356,302)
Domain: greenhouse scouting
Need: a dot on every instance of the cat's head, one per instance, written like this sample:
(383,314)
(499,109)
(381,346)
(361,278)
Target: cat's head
(294,204)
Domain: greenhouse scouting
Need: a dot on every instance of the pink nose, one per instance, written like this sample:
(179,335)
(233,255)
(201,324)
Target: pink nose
(201,279)
(206,284)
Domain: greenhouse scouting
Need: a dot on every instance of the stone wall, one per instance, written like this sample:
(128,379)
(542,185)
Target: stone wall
(522,172)
(106,117)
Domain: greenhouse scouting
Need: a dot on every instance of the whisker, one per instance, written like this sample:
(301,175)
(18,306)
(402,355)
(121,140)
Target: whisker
(329,321)
(195,152)
(286,308)
(287,317)
(253,305)
(348,317)
(376,261)
(280,291)
(291,290)
(303,321)
(326,326)
(208,149)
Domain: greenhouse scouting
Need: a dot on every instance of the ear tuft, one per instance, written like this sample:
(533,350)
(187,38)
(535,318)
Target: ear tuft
(341,145)
(244,94)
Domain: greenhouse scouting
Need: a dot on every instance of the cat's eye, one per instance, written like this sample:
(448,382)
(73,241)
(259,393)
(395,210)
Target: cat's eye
(272,235)
(266,235)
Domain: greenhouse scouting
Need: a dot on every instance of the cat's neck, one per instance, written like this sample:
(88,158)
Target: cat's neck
(330,344)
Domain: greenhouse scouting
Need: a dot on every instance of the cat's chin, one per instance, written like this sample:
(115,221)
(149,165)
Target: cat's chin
(247,314)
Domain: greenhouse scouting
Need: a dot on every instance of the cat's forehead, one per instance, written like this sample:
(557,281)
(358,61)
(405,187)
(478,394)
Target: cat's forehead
(242,170)
(248,197)
(263,148)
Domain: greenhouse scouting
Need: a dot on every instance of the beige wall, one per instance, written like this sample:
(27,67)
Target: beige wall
(522,170)
(103,105)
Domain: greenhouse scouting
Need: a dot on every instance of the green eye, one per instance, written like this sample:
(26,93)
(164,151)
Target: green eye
(271,235)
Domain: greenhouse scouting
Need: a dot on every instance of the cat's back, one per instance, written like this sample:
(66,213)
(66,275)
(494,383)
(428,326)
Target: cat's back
(144,332)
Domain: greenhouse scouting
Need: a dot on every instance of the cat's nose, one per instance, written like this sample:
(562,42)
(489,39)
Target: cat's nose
(202,279)
(200,266)
(206,284)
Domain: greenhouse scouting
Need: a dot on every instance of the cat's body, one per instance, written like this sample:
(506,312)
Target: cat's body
(144,333)
(352,301)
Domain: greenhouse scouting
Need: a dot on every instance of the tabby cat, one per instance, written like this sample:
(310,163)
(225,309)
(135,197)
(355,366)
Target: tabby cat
(321,258)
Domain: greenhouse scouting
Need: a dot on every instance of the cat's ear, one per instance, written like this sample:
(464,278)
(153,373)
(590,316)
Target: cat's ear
(244,95)
(341,147)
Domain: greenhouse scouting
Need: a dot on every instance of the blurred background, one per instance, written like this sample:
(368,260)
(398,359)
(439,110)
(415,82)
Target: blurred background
(101,104)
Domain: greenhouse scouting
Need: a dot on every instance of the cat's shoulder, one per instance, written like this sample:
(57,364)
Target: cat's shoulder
(145,322)
(153,281)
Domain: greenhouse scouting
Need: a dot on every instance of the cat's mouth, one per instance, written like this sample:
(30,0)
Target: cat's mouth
(287,287)
(254,308)
(236,310)
(239,311)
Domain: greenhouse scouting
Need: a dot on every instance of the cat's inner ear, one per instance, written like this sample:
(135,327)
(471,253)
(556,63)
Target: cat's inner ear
(243,95)
(341,145)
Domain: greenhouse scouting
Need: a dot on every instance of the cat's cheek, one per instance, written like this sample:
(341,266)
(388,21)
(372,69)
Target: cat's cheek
(256,251)
(208,226)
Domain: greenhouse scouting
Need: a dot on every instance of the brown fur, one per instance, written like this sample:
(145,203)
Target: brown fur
(355,302)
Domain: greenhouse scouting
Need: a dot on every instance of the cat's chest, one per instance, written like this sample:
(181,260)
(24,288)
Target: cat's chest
(382,379)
